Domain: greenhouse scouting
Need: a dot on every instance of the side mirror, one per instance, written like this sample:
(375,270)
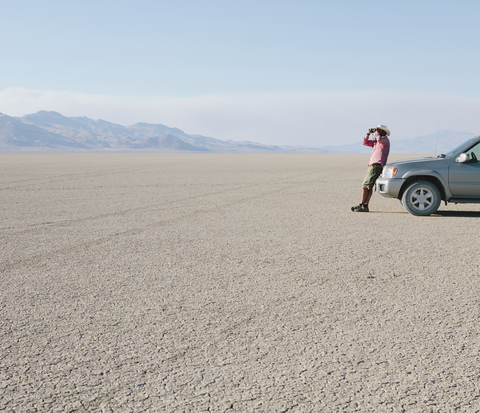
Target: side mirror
(463,157)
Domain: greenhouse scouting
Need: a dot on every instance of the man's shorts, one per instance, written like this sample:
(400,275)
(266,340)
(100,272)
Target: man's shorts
(374,171)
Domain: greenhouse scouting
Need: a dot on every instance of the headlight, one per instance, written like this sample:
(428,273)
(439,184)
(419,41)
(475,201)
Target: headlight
(389,172)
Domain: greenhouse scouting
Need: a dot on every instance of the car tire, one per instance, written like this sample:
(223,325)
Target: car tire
(421,198)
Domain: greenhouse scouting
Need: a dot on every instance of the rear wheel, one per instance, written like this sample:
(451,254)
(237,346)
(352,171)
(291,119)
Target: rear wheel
(421,198)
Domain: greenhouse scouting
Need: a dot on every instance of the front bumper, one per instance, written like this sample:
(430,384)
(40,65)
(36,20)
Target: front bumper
(389,187)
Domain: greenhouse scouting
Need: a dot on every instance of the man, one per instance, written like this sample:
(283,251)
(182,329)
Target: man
(381,148)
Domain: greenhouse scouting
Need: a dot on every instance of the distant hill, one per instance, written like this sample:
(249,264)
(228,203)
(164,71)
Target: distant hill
(168,142)
(433,144)
(51,131)
(15,133)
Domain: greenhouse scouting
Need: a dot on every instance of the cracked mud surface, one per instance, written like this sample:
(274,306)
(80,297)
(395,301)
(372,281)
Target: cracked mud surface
(224,283)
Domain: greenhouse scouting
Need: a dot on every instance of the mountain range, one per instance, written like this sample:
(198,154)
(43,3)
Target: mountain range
(50,131)
(47,131)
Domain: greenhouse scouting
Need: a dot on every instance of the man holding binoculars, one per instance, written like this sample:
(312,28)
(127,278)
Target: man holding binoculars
(381,149)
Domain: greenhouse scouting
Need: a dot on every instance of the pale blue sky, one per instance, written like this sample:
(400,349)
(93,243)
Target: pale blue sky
(286,72)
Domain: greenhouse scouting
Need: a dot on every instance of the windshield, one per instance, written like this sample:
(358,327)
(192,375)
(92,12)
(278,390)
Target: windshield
(449,153)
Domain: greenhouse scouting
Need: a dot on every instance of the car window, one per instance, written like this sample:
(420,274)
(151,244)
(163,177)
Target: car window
(474,153)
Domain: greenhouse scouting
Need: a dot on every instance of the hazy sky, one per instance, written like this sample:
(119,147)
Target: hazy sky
(302,72)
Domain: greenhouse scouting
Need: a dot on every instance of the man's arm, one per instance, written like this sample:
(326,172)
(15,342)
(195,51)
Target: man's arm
(366,141)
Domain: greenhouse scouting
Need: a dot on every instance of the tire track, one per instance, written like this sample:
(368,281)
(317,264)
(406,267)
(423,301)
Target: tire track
(42,226)
(76,177)
(9,265)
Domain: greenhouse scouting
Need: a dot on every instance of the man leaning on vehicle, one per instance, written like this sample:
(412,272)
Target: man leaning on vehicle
(380,150)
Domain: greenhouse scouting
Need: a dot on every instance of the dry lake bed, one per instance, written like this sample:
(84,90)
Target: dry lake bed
(230,283)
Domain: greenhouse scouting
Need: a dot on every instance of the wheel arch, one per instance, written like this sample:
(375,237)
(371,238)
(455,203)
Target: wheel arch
(421,177)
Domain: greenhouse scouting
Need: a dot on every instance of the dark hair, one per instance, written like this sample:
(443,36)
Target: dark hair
(381,132)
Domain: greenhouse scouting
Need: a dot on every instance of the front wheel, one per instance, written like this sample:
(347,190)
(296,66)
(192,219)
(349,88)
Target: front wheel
(421,198)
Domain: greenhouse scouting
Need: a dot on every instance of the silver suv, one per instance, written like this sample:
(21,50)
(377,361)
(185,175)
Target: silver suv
(421,184)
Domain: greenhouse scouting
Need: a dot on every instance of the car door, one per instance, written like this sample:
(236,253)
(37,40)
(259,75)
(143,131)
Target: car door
(464,178)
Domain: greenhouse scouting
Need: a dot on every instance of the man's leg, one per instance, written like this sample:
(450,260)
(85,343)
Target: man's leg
(366,195)
(373,173)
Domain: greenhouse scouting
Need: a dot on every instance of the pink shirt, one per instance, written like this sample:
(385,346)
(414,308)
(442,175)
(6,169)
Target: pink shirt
(381,149)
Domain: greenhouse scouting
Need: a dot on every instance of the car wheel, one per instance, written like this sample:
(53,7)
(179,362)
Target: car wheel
(421,198)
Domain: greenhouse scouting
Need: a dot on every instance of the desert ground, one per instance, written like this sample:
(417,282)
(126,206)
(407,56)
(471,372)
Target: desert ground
(230,283)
